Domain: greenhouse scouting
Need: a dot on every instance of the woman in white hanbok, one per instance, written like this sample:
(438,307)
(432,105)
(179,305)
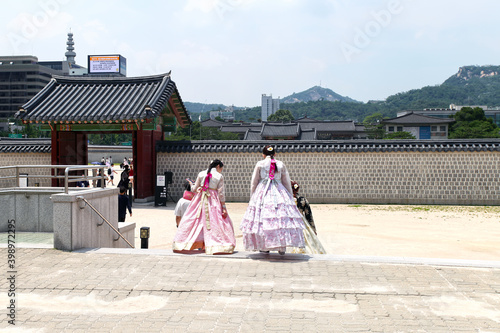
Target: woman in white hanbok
(272,221)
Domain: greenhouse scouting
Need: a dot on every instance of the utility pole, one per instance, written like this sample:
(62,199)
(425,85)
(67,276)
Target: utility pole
(199,118)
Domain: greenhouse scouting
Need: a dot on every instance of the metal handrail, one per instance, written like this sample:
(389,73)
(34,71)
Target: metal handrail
(104,219)
(67,178)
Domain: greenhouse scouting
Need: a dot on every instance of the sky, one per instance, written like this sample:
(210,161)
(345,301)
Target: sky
(233,51)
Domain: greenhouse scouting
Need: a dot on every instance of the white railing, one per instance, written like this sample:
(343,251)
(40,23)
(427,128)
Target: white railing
(55,170)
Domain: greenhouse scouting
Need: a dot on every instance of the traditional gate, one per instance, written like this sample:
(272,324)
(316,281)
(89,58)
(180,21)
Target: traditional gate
(72,107)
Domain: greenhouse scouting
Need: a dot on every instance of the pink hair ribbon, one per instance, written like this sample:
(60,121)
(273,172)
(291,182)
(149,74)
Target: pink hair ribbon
(272,168)
(207,181)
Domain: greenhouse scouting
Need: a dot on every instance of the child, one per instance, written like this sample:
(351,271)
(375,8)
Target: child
(123,205)
(183,202)
(111,172)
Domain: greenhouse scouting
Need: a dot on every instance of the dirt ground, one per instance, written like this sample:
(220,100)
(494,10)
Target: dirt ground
(455,232)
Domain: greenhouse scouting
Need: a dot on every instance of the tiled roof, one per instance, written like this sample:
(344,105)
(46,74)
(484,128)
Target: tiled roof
(305,120)
(252,135)
(103,98)
(280,130)
(349,146)
(308,134)
(8,145)
(213,123)
(416,119)
(359,128)
(237,129)
(329,126)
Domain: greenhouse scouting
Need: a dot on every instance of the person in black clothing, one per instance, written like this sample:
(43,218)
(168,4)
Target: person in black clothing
(123,205)
(99,174)
(303,205)
(83,183)
(124,177)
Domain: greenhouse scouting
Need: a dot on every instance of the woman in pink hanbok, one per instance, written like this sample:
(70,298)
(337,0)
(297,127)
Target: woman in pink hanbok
(272,221)
(206,224)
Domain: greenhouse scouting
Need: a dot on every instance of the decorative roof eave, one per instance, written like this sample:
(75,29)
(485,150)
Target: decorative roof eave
(66,100)
(338,146)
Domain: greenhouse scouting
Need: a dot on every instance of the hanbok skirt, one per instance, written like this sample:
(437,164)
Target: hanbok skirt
(203,227)
(272,221)
(313,244)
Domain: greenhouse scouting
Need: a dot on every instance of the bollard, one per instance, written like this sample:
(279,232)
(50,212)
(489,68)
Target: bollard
(144,237)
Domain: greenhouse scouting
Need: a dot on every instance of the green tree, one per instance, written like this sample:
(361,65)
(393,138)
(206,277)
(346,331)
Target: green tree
(399,135)
(32,131)
(207,133)
(109,139)
(281,115)
(471,123)
(373,126)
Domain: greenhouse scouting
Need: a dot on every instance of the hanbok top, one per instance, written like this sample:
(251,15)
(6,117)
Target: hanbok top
(261,173)
(216,182)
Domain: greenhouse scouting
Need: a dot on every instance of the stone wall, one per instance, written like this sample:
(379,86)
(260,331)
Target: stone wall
(450,176)
(30,158)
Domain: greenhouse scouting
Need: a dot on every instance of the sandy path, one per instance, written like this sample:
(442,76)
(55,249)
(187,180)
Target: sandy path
(458,232)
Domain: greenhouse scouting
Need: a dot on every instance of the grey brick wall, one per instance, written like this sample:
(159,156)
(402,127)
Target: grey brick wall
(13,159)
(465,178)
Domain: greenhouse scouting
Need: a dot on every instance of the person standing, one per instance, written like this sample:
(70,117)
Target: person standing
(272,221)
(303,205)
(111,172)
(313,244)
(99,183)
(206,223)
(123,205)
(131,181)
(183,203)
(124,177)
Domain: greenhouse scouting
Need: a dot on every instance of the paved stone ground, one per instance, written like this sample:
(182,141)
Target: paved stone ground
(119,290)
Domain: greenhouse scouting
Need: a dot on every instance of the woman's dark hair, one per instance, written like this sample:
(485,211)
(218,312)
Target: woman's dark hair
(213,164)
(187,186)
(268,150)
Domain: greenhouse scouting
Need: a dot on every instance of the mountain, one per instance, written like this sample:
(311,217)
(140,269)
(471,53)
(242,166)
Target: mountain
(471,85)
(316,93)
(200,107)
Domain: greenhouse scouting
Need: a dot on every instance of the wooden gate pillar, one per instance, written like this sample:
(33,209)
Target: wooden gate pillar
(144,155)
(68,148)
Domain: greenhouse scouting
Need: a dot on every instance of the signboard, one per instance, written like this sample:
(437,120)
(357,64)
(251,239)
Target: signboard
(15,135)
(107,64)
(160,180)
(160,191)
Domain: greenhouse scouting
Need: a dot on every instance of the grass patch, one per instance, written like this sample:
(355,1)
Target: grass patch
(425,209)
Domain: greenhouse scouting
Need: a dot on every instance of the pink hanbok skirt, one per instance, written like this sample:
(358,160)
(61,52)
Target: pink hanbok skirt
(202,226)
(272,221)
